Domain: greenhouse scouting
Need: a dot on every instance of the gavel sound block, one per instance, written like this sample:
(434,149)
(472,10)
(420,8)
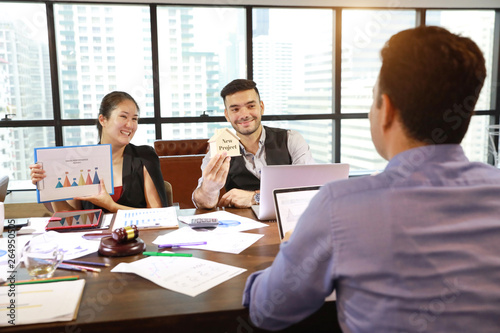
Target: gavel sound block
(122,242)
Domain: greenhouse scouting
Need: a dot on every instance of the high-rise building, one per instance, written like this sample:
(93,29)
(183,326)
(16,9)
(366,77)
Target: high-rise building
(23,95)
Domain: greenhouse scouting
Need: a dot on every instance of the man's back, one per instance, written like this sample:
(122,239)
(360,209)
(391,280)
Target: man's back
(417,247)
(421,252)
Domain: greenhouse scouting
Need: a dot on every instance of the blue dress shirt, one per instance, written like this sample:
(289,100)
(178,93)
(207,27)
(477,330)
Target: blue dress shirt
(415,248)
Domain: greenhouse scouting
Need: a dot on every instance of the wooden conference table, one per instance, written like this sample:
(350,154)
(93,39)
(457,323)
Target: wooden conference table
(119,302)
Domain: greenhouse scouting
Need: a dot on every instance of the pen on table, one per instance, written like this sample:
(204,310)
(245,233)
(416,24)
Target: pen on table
(81,262)
(71,268)
(161,254)
(96,235)
(52,279)
(84,268)
(181,244)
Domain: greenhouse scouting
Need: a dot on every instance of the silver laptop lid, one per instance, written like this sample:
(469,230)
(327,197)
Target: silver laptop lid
(286,176)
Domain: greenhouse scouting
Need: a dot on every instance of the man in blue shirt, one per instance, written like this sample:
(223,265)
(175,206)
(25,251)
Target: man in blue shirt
(415,248)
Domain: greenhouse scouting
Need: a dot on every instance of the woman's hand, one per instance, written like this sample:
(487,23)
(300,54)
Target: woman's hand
(102,199)
(37,173)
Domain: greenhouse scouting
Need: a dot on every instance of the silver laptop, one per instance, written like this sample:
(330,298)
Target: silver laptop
(283,176)
(289,204)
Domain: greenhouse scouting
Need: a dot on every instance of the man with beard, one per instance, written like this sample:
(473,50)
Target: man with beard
(259,146)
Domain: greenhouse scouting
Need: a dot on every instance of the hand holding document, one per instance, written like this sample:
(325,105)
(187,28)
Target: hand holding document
(73,171)
(189,276)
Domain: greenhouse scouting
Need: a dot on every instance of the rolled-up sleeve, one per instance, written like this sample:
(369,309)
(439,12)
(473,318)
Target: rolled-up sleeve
(301,276)
(299,149)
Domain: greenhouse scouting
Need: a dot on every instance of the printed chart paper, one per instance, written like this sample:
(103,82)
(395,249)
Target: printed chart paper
(74,171)
(186,275)
(147,218)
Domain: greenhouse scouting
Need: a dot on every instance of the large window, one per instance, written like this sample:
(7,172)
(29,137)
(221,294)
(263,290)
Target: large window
(293,68)
(200,50)
(479,26)
(101,49)
(25,86)
(315,69)
(364,33)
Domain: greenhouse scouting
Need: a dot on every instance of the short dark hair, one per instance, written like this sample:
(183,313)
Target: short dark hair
(238,85)
(109,103)
(433,77)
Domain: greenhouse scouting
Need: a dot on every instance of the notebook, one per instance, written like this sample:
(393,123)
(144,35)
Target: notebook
(289,204)
(283,176)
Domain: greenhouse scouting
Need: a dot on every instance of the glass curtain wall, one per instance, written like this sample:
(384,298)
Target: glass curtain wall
(292,66)
(100,48)
(25,86)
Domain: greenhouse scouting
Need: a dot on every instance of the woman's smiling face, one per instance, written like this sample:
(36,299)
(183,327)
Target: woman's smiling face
(121,126)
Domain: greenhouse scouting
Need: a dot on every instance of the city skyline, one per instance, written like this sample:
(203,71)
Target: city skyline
(94,44)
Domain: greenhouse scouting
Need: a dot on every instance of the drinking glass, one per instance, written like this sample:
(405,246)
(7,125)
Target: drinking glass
(42,258)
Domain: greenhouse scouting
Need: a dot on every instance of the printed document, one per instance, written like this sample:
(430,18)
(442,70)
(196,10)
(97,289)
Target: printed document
(186,275)
(74,171)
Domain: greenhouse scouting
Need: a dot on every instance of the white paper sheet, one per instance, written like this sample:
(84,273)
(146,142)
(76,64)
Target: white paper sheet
(6,263)
(42,302)
(186,275)
(74,171)
(152,218)
(36,225)
(220,241)
(223,216)
(72,244)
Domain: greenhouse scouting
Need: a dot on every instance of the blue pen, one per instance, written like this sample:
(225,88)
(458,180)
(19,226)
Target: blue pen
(181,244)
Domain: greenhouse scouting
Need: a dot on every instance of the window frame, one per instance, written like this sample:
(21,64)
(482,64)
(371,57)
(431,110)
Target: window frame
(335,116)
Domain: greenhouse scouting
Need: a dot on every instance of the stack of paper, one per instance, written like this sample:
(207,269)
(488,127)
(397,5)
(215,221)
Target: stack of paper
(41,302)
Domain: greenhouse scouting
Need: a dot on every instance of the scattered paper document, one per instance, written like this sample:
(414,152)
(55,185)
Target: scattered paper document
(7,263)
(36,225)
(72,244)
(226,219)
(147,218)
(186,275)
(220,241)
(42,302)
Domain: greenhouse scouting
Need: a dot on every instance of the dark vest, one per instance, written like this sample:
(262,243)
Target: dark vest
(276,146)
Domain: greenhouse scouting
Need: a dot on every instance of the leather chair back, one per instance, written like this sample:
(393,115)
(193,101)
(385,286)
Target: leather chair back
(181,147)
(180,162)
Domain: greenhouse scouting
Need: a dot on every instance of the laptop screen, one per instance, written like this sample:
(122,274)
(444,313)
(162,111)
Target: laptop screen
(289,204)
